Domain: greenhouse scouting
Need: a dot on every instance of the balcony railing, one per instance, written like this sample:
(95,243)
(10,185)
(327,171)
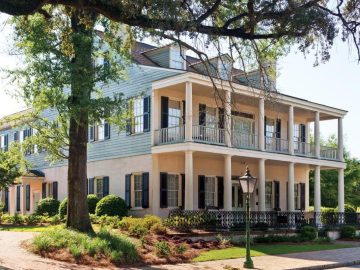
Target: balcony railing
(304,149)
(170,135)
(278,145)
(244,140)
(208,135)
(329,153)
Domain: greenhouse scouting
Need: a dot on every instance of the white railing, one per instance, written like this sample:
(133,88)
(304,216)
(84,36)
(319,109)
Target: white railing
(244,140)
(329,153)
(208,135)
(278,145)
(170,135)
(304,149)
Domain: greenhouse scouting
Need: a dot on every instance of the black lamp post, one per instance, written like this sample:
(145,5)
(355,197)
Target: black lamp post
(247,182)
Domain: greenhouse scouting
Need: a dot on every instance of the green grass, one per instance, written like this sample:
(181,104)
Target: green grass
(260,250)
(27,228)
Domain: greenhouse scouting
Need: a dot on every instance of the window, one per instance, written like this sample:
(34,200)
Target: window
(138,115)
(100,131)
(138,190)
(209,191)
(296,136)
(175,113)
(297,196)
(224,69)
(99,187)
(268,195)
(173,190)
(50,189)
(4,141)
(176,59)
(211,117)
(269,132)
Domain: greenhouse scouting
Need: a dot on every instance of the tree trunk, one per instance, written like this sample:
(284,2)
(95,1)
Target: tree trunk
(82,74)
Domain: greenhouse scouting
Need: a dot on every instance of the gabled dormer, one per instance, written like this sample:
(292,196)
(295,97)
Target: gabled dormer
(170,56)
(220,66)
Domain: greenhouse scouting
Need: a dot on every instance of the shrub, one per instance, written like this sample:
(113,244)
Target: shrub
(348,208)
(63,208)
(348,232)
(92,201)
(322,240)
(138,230)
(16,219)
(112,222)
(75,251)
(32,219)
(111,205)
(162,249)
(49,206)
(150,220)
(308,233)
(181,249)
(158,229)
(277,239)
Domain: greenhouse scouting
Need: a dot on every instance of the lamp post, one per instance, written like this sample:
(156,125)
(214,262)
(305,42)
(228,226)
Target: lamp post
(247,182)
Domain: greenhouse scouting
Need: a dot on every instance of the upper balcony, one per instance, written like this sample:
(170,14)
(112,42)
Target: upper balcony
(238,118)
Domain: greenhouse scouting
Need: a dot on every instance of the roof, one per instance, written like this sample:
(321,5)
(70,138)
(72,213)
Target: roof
(5,123)
(34,173)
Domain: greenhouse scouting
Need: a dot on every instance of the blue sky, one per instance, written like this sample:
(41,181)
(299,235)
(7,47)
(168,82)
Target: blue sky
(335,83)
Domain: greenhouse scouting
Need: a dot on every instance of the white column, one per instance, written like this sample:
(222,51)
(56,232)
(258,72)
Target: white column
(188,116)
(261,184)
(23,198)
(227,184)
(261,124)
(189,185)
(317,191)
(227,111)
(155,184)
(291,130)
(317,134)
(341,203)
(340,139)
(155,115)
(291,203)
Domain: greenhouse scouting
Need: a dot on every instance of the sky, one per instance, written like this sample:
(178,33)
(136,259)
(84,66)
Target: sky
(335,83)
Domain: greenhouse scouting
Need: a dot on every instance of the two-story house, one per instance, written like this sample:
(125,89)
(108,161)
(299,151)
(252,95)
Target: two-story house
(187,143)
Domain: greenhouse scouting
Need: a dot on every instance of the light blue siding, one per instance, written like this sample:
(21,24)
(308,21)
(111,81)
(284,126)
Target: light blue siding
(161,57)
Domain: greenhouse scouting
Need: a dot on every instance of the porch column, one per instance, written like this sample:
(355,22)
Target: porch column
(155,183)
(23,198)
(341,190)
(261,184)
(291,203)
(317,191)
(261,133)
(227,184)
(340,139)
(189,174)
(188,111)
(155,115)
(291,130)
(317,134)
(227,118)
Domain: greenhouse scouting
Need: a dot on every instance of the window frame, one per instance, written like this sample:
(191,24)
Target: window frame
(96,192)
(140,116)
(214,192)
(179,190)
(135,191)
(269,194)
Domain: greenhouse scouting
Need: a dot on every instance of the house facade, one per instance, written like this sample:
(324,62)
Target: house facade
(189,139)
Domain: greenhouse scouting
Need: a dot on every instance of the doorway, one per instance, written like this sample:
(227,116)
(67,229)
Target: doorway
(238,198)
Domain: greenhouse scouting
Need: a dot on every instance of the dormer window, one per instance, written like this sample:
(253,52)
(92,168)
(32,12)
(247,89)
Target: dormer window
(177,60)
(224,68)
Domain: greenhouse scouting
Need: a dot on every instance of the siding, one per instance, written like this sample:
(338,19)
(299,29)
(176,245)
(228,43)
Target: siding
(161,57)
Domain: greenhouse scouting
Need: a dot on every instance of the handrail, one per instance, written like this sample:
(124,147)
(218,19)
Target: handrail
(278,145)
(170,135)
(208,134)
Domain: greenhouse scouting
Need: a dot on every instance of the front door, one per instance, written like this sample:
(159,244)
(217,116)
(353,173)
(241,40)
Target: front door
(238,198)
(36,199)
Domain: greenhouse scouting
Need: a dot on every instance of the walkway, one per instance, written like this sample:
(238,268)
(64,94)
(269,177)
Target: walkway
(12,256)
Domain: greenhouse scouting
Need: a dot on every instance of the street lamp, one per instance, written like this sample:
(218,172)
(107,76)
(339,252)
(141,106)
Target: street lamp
(247,182)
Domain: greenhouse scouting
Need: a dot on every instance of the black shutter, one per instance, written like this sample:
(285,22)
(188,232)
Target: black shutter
(303,133)
(278,128)
(184,111)
(105,186)
(6,141)
(265,126)
(202,114)
(43,190)
(55,190)
(128,190)
(106,130)
(91,185)
(16,136)
(201,197)
(277,195)
(27,197)
(87,186)
(164,112)
(287,196)
(302,196)
(128,127)
(183,191)
(17,198)
(221,123)
(91,134)
(145,190)
(220,190)
(146,116)
(6,203)
(163,190)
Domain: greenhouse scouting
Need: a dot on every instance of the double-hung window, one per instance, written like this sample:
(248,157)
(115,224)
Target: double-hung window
(176,58)
(138,190)
(99,187)
(297,196)
(173,190)
(210,191)
(4,142)
(268,195)
(175,113)
(100,131)
(296,137)
(270,132)
(138,115)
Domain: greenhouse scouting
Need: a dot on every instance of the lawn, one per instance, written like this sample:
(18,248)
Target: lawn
(36,228)
(260,250)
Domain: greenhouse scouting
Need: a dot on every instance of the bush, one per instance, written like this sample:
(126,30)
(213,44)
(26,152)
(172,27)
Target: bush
(158,229)
(138,230)
(49,206)
(162,249)
(92,201)
(16,219)
(111,205)
(181,249)
(308,233)
(119,249)
(348,232)
(63,208)
(348,208)
(112,222)
(32,219)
